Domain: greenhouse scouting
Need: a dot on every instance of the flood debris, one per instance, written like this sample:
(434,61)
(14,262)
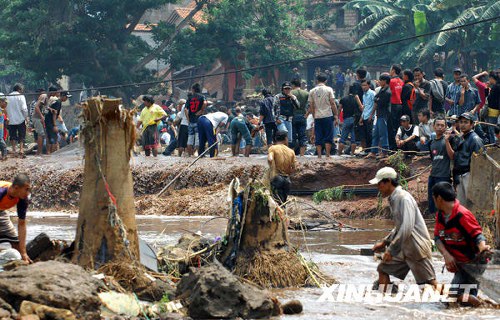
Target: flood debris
(134,278)
(192,250)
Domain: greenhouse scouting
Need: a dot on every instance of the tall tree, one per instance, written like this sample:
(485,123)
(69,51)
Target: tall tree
(89,39)
(243,33)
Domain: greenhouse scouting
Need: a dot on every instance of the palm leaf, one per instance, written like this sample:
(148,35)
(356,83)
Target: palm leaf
(468,15)
(429,49)
(492,11)
(380,28)
(360,4)
(367,21)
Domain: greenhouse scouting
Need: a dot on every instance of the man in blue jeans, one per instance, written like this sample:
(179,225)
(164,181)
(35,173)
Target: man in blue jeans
(208,127)
(381,109)
(352,110)
(441,160)
(285,104)
(324,110)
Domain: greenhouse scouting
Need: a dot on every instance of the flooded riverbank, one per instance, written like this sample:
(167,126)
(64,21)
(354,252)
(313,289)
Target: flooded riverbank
(336,253)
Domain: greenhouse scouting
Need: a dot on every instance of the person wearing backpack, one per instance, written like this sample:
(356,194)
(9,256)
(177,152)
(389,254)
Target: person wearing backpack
(438,93)
(408,95)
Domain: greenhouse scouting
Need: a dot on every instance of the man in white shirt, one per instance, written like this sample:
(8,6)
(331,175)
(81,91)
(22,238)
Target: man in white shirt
(17,109)
(324,110)
(183,122)
(208,126)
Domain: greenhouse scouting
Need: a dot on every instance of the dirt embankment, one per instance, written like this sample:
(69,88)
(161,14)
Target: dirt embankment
(202,189)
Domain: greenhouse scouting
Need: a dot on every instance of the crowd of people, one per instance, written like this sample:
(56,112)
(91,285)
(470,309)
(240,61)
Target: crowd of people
(42,117)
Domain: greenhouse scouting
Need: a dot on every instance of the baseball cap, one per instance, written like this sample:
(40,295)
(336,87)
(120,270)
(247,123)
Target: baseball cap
(404,118)
(286,85)
(457,70)
(66,94)
(182,101)
(384,173)
(467,115)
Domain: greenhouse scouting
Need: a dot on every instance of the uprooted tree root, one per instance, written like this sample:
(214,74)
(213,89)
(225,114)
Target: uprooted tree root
(129,276)
(278,269)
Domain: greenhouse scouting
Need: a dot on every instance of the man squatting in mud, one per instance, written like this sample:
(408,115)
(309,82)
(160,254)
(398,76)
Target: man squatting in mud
(12,194)
(408,246)
(282,163)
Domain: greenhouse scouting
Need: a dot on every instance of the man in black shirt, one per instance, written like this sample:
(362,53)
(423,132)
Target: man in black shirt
(267,116)
(438,93)
(422,92)
(381,108)
(441,160)
(469,144)
(408,93)
(195,107)
(52,112)
(352,110)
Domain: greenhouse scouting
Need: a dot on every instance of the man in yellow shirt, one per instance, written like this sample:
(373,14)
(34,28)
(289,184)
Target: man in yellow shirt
(282,162)
(150,116)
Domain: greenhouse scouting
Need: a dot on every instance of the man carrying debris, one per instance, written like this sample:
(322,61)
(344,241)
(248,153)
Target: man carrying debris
(282,163)
(150,116)
(208,128)
(240,129)
(460,240)
(408,246)
(12,194)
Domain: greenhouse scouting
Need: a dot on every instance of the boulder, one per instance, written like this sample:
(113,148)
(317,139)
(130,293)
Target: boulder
(54,284)
(43,312)
(213,292)
(6,311)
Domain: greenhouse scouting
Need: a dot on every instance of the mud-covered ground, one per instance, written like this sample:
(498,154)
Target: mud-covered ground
(202,189)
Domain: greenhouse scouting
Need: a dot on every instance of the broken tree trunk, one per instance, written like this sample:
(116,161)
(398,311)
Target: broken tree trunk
(258,246)
(106,228)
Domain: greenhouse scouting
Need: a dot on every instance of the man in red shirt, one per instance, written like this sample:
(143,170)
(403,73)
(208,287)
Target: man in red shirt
(396,86)
(12,194)
(482,87)
(460,240)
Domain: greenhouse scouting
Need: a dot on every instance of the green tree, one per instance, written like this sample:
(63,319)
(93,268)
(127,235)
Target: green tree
(385,20)
(90,40)
(243,33)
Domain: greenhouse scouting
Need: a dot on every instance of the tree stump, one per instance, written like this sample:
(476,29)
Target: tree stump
(258,248)
(106,228)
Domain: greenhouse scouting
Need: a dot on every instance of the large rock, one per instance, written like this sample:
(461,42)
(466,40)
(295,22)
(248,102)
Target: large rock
(43,312)
(54,284)
(6,311)
(213,292)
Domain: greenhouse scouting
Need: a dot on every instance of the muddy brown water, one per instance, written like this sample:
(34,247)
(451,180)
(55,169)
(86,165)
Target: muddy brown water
(336,253)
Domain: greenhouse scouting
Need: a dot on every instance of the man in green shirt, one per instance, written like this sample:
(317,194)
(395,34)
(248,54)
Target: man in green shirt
(300,114)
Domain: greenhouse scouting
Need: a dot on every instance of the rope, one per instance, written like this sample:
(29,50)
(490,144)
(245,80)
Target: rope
(184,170)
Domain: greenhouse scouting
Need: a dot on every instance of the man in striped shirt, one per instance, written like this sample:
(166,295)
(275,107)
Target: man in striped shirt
(12,194)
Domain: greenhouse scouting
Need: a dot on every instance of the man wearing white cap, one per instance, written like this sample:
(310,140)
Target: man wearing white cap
(408,246)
